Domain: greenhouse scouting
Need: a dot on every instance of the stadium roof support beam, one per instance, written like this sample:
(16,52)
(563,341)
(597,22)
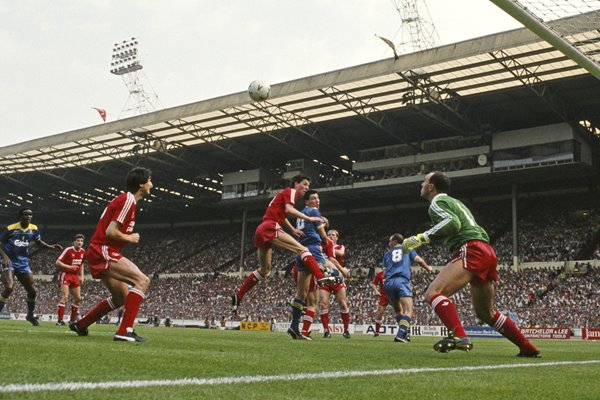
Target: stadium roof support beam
(427,89)
(286,122)
(149,141)
(521,14)
(33,189)
(305,126)
(368,112)
(221,142)
(529,78)
(38,189)
(68,179)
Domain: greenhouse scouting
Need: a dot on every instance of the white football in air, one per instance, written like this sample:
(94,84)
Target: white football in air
(259,90)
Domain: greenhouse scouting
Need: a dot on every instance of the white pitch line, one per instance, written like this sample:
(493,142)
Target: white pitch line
(41,387)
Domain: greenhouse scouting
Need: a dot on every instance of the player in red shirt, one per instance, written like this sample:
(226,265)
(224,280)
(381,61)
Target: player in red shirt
(338,289)
(124,280)
(270,234)
(382,302)
(70,277)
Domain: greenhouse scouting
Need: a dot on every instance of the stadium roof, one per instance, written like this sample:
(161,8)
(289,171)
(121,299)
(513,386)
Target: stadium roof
(499,82)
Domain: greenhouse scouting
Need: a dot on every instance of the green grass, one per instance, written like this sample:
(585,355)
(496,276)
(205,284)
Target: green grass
(51,354)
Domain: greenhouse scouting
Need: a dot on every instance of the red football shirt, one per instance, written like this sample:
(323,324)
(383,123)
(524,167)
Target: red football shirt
(341,250)
(122,210)
(276,209)
(378,281)
(70,256)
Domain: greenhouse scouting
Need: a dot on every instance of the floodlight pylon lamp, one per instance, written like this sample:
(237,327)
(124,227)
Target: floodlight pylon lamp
(121,62)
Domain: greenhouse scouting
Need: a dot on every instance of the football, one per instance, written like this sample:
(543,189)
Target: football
(259,90)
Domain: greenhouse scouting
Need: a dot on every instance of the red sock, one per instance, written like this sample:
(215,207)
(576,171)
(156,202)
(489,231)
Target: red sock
(325,320)
(446,310)
(248,284)
(101,309)
(74,312)
(61,311)
(509,330)
(346,320)
(310,262)
(307,321)
(378,325)
(132,305)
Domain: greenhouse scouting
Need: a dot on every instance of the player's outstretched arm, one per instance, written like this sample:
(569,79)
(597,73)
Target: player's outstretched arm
(290,210)
(414,242)
(375,289)
(54,246)
(290,228)
(423,264)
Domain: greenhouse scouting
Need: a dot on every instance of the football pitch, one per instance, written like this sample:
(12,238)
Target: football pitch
(50,362)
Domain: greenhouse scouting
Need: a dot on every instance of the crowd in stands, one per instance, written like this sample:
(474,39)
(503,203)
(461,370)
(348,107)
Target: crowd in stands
(538,296)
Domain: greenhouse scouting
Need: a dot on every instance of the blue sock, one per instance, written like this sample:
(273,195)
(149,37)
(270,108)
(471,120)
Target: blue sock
(30,307)
(403,325)
(297,312)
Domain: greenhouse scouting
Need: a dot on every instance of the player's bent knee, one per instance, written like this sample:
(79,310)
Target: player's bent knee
(486,316)
(143,283)
(301,250)
(429,294)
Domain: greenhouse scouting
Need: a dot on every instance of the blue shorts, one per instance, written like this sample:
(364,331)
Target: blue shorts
(397,288)
(317,252)
(19,268)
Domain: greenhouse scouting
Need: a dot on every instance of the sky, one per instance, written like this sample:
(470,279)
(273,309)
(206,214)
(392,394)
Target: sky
(55,55)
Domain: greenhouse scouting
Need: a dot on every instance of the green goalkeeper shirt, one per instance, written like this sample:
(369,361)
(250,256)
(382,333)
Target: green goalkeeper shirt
(453,223)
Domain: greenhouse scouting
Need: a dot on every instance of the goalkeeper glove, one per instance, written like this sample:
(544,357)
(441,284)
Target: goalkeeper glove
(413,242)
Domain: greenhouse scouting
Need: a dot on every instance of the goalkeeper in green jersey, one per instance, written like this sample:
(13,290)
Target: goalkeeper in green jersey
(474,261)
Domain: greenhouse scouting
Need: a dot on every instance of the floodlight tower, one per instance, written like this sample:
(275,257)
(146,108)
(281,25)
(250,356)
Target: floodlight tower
(126,63)
(417,31)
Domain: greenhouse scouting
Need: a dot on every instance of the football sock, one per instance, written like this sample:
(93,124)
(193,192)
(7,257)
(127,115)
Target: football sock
(310,262)
(509,330)
(30,307)
(61,311)
(249,283)
(74,312)
(378,325)
(297,307)
(132,305)
(446,310)
(307,321)
(345,320)
(3,301)
(101,309)
(325,319)
(403,325)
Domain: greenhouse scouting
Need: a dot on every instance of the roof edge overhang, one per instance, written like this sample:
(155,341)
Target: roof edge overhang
(411,61)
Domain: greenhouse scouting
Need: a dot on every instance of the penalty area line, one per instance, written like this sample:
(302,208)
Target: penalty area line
(71,386)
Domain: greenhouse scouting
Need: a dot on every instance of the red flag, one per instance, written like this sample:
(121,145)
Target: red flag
(102,113)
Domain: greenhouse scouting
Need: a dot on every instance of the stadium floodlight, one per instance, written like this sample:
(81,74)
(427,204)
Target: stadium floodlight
(125,57)
(127,64)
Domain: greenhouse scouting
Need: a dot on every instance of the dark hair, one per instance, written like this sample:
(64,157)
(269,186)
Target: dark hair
(136,177)
(309,193)
(441,181)
(79,236)
(397,237)
(22,211)
(298,179)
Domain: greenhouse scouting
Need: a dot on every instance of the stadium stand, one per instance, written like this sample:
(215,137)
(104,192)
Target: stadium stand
(539,297)
(192,267)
